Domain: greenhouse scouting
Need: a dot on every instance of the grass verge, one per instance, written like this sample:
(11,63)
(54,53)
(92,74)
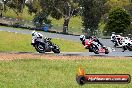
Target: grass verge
(36,73)
(22,43)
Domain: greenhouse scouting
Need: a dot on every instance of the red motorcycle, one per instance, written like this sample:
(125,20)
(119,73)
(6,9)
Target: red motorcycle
(95,47)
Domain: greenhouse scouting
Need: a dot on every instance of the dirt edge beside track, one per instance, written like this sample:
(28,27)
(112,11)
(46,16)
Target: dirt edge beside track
(14,56)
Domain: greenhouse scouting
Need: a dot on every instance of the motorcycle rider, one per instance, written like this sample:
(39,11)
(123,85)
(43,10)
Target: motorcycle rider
(113,37)
(43,45)
(37,35)
(127,42)
(84,37)
(116,39)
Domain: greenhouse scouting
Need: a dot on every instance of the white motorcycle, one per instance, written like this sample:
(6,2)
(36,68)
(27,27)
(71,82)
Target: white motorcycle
(43,45)
(127,44)
(117,40)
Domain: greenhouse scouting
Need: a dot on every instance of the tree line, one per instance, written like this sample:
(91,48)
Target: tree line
(115,14)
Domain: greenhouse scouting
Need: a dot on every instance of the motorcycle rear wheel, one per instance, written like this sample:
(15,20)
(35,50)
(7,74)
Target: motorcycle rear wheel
(40,48)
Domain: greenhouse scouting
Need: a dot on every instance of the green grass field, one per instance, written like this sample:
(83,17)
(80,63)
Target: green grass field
(22,43)
(42,73)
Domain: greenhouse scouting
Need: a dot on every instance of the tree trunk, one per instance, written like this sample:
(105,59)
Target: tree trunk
(65,25)
(1,15)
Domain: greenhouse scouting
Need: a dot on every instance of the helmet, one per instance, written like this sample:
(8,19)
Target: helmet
(126,38)
(33,33)
(82,37)
(113,35)
(94,37)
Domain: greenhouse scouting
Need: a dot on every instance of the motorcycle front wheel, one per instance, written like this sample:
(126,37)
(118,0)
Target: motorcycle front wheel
(129,48)
(56,49)
(95,49)
(40,48)
(106,51)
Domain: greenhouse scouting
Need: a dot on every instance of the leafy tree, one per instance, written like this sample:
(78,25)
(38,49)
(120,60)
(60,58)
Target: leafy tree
(62,9)
(118,21)
(59,9)
(34,6)
(111,4)
(41,19)
(126,4)
(41,13)
(92,12)
(16,5)
(117,3)
(1,8)
(129,8)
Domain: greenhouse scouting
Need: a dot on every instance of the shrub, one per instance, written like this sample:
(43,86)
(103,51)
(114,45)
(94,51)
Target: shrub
(118,21)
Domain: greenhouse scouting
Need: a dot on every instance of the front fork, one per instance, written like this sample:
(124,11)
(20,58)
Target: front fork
(124,48)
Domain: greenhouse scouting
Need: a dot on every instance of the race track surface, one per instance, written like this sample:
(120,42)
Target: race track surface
(106,42)
(111,54)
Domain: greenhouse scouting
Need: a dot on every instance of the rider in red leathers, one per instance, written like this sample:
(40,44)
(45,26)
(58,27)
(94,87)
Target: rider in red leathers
(84,37)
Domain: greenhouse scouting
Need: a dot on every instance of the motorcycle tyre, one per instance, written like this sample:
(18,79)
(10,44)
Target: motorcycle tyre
(38,50)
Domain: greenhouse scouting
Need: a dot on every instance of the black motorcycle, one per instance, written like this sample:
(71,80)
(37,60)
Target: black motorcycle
(45,45)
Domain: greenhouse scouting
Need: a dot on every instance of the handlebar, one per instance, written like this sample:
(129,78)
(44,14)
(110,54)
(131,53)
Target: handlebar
(48,38)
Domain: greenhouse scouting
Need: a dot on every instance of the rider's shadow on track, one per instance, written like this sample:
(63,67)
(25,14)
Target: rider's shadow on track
(99,55)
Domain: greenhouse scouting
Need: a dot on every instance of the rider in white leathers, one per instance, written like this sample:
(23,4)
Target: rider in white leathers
(126,42)
(36,35)
(117,40)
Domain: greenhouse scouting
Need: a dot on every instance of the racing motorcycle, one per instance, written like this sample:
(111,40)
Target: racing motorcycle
(95,47)
(117,40)
(127,44)
(43,45)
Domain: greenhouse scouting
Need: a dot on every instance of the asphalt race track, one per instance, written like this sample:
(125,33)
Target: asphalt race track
(106,42)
